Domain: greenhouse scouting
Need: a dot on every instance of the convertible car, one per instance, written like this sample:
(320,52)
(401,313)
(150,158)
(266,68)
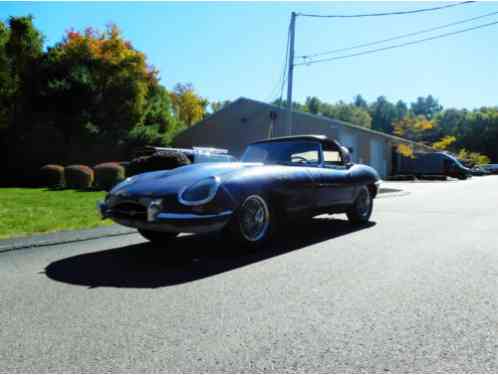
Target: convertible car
(277,179)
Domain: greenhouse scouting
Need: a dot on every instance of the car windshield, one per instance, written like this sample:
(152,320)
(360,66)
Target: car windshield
(213,158)
(283,152)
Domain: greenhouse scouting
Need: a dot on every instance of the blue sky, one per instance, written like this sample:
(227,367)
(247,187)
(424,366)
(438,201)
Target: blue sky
(228,50)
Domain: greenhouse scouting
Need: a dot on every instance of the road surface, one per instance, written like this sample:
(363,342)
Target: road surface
(416,291)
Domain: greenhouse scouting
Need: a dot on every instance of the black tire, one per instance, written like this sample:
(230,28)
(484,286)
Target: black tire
(157,237)
(362,208)
(264,221)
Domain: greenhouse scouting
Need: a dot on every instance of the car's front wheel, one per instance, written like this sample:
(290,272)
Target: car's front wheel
(362,208)
(254,222)
(157,237)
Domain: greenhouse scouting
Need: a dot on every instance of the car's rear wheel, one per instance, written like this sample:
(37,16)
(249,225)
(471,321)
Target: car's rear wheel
(254,222)
(157,237)
(362,208)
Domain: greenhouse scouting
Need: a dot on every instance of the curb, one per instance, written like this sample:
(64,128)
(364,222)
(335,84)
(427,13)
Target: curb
(63,237)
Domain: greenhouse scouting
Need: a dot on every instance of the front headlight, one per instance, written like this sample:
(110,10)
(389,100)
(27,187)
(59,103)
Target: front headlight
(199,193)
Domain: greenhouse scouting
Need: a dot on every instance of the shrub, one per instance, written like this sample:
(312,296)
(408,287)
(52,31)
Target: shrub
(108,174)
(52,175)
(126,166)
(161,160)
(78,176)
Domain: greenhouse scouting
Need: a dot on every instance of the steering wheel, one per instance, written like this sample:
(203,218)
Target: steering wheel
(300,159)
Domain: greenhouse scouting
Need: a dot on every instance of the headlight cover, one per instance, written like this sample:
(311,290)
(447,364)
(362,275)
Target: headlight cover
(199,193)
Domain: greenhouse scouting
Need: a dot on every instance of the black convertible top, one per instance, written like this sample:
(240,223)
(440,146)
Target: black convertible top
(305,137)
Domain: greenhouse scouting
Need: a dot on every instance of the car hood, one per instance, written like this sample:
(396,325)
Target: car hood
(154,184)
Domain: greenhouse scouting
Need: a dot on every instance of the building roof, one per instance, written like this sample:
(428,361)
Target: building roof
(330,120)
(303,137)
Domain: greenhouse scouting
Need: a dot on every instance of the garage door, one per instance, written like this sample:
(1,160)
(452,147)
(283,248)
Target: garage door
(349,140)
(377,159)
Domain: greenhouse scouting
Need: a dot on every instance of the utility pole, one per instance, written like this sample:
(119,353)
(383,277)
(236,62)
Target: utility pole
(292,30)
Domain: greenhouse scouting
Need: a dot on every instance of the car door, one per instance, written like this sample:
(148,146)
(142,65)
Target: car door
(336,187)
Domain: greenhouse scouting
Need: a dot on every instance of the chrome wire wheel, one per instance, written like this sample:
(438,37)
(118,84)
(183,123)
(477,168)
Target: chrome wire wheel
(254,218)
(360,211)
(364,203)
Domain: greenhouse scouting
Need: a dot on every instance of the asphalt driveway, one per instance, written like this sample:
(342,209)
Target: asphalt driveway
(415,291)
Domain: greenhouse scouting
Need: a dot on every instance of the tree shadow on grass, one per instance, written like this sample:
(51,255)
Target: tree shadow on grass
(187,258)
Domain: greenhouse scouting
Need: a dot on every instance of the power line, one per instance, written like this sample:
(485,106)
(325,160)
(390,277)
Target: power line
(281,81)
(396,37)
(285,67)
(397,45)
(383,14)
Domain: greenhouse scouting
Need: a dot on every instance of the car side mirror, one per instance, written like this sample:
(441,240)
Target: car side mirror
(346,156)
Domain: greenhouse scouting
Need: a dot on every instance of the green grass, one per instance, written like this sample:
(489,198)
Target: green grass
(27,211)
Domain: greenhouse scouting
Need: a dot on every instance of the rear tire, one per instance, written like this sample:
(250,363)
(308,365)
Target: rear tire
(157,237)
(362,208)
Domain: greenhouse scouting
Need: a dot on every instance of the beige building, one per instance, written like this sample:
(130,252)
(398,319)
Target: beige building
(246,120)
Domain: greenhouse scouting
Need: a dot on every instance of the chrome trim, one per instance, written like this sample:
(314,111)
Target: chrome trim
(180,223)
(209,198)
(154,209)
(189,216)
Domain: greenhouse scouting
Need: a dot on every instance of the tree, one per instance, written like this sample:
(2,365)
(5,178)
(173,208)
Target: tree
(472,158)
(216,106)
(401,109)
(313,104)
(188,106)
(413,127)
(383,114)
(444,143)
(95,81)
(428,107)
(296,106)
(360,102)
(348,113)
(20,47)
(6,84)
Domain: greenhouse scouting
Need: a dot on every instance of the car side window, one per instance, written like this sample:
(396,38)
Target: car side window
(332,158)
(307,157)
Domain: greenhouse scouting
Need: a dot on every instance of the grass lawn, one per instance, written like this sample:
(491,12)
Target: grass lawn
(25,211)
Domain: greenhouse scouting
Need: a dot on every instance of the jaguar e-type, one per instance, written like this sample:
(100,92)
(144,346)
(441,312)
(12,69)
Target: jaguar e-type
(277,179)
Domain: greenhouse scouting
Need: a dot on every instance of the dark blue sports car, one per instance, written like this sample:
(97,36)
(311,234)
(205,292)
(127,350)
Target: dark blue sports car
(277,179)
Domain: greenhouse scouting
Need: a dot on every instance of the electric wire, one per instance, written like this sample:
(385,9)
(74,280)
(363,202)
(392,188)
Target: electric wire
(330,52)
(397,45)
(281,81)
(284,72)
(383,14)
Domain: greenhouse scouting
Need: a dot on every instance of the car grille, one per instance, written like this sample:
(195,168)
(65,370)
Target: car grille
(130,210)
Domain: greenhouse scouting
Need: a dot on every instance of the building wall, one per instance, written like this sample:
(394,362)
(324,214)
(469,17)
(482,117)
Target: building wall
(245,121)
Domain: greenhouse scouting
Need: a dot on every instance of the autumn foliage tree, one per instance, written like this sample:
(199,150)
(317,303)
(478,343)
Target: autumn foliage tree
(188,106)
(95,81)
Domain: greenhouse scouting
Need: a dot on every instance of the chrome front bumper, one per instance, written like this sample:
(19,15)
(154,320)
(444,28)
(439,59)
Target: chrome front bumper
(173,222)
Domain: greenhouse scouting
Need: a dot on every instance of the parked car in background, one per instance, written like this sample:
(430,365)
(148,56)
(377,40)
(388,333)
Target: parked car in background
(433,164)
(479,171)
(277,179)
(490,168)
(195,154)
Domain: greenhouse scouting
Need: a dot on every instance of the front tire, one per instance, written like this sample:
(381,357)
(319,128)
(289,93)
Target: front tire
(362,208)
(157,237)
(254,223)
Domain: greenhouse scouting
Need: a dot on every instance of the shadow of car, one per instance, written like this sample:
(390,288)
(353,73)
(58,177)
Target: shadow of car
(186,259)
